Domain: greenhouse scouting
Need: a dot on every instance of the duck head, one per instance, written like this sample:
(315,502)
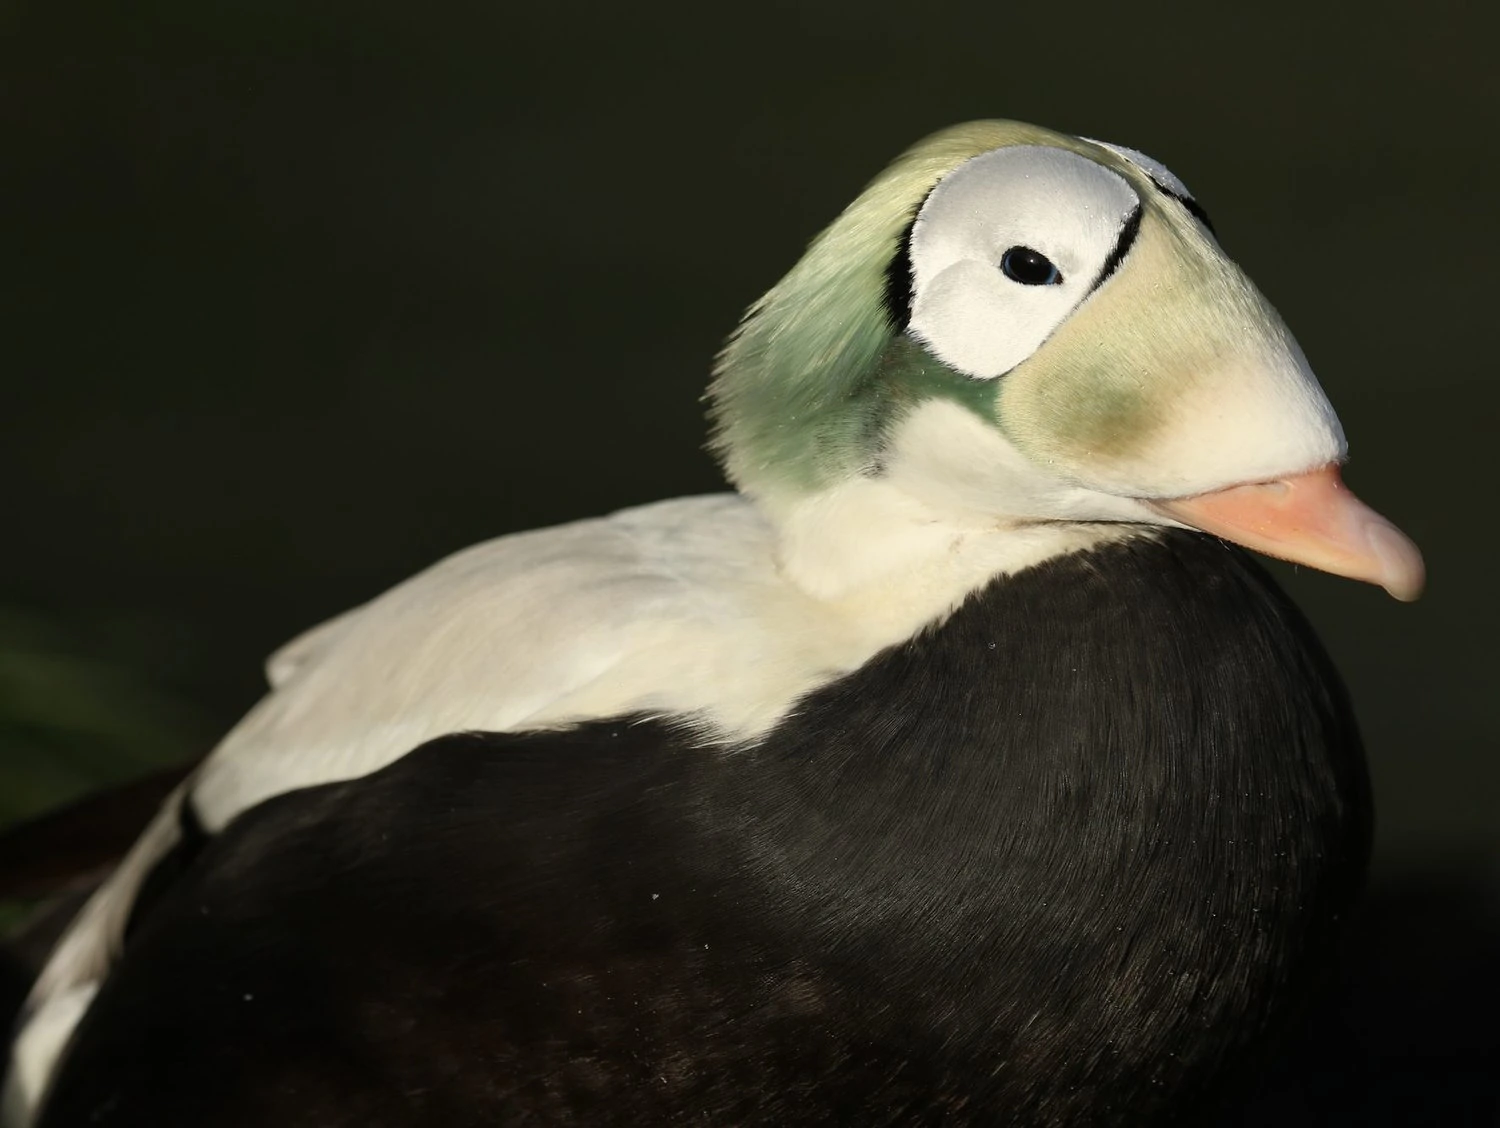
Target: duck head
(1014,326)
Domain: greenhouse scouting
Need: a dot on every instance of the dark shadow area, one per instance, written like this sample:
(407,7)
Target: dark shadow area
(1408,1035)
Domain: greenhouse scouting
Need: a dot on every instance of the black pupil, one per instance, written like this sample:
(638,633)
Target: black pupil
(1029,268)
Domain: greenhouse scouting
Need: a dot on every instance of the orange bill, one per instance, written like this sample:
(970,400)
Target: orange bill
(1310,519)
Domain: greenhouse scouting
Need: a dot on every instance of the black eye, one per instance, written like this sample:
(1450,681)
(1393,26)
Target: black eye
(1029,268)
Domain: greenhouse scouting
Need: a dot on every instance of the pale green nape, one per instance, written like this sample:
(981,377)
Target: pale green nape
(798,400)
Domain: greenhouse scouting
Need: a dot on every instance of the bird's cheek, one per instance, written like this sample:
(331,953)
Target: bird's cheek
(1175,421)
(1091,418)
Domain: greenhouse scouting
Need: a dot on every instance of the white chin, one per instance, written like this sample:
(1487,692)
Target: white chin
(948,458)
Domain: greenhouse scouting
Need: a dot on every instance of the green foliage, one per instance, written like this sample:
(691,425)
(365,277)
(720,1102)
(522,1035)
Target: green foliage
(71,723)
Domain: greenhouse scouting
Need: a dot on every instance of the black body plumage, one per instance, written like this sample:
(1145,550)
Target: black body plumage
(1067,858)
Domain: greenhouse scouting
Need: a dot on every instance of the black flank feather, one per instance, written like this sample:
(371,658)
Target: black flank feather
(1067,859)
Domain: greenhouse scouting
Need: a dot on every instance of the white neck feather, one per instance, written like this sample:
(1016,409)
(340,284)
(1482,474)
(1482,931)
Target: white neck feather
(955,507)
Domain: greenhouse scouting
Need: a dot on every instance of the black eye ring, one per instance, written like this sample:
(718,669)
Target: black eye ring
(1030,268)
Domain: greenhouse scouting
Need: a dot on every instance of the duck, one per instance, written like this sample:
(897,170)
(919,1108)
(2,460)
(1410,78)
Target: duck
(959,766)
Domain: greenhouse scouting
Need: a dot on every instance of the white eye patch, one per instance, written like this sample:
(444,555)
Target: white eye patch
(983,299)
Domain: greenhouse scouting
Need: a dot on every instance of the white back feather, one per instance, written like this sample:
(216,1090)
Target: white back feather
(680,609)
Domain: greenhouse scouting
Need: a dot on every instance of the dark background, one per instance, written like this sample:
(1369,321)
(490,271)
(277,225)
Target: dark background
(300,296)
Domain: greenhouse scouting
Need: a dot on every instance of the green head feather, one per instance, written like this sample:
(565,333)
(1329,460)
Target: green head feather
(807,390)
(801,391)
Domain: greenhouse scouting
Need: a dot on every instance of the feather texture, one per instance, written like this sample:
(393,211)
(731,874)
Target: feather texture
(960,887)
(680,609)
